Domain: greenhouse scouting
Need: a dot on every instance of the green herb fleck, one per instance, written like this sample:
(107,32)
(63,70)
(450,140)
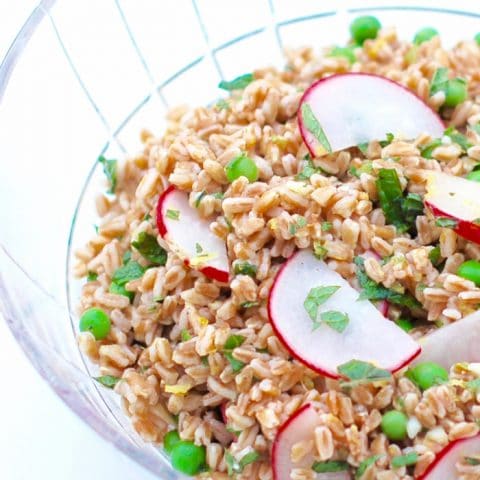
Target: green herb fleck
(327,226)
(232,430)
(300,222)
(313,126)
(445,222)
(405,460)
(472,461)
(199,198)
(234,341)
(131,271)
(330,466)
(92,276)
(435,256)
(366,167)
(389,139)
(367,463)
(474,385)
(439,81)
(173,214)
(121,290)
(234,466)
(108,381)
(237,365)
(158,299)
(185,335)
(245,268)
(316,297)
(308,169)
(458,138)
(363,147)
(110,171)
(218,195)
(319,250)
(426,151)
(249,304)
(149,248)
(147,217)
(358,372)
(391,197)
(336,320)
(222,104)
(204,360)
(127,256)
(237,83)
(198,248)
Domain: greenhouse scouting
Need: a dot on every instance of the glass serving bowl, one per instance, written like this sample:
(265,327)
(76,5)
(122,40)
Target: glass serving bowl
(81,79)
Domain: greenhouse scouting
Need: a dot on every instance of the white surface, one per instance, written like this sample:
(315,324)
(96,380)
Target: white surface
(40,438)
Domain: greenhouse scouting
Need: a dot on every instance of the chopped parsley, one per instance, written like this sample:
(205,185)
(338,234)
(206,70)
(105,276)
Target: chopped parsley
(131,270)
(173,214)
(110,171)
(108,381)
(245,268)
(185,335)
(367,463)
(358,372)
(312,124)
(405,460)
(319,250)
(233,341)
(92,276)
(237,83)
(435,256)
(330,466)
(301,222)
(474,385)
(445,222)
(149,248)
(316,297)
(372,290)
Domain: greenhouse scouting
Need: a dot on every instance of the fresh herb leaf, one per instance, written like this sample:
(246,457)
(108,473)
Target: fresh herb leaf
(308,170)
(121,290)
(316,297)
(475,128)
(426,151)
(366,167)
(405,460)
(204,360)
(234,466)
(412,207)
(131,271)
(199,198)
(472,461)
(313,126)
(218,195)
(458,138)
(237,365)
(389,139)
(474,385)
(108,381)
(439,81)
(232,430)
(245,268)
(185,335)
(445,222)
(336,320)
(367,463)
(391,197)
(435,256)
(363,147)
(319,250)
(248,458)
(147,217)
(158,299)
(92,276)
(173,214)
(234,341)
(330,466)
(249,304)
(326,226)
(237,83)
(127,256)
(222,104)
(358,372)
(299,223)
(149,248)
(372,290)
(110,171)
(198,248)
(405,324)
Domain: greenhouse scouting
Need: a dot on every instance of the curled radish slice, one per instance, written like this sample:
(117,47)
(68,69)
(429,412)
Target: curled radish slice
(190,237)
(367,336)
(348,109)
(455,199)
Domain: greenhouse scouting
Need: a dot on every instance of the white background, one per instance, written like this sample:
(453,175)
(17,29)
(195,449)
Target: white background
(40,438)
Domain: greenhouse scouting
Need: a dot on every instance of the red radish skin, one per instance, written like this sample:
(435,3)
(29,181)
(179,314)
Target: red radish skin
(401,347)
(443,467)
(344,103)
(209,271)
(454,343)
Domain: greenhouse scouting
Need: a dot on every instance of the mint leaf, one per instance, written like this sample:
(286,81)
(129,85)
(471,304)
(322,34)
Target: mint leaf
(368,462)
(237,83)
(412,207)
(185,335)
(330,466)
(108,381)
(439,81)
(131,271)
(472,461)
(426,151)
(458,138)
(336,320)
(248,458)
(300,223)
(366,167)
(319,250)
(345,52)
(249,304)
(245,268)
(234,466)
(313,126)
(198,248)
(316,297)
(389,139)
(173,214)
(222,104)
(110,171)
(405,460)
(121,290)
(435,256)
(358,371)
(92,276)
(237,365)
(149,248)
(445,222)
(363,147)
(308,169)
(390,195)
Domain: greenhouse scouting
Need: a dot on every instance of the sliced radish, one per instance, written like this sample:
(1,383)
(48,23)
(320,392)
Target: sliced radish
(443,467)
(455,343)
(299,427)
(382,305)
(345,110)
(367,337)
(455,198)
(189,235)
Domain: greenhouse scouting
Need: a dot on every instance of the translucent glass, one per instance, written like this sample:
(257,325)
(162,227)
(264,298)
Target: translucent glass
(81,79)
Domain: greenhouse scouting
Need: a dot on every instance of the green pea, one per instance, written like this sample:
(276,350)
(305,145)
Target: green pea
(345,52)
(241,166)
(477,38)
(188,458)
(170,440)
(475,176)
(424,35)
(394,425)
(363,28)
(96,321)
(470,270)
(404,324)
(456,92)
(427,374)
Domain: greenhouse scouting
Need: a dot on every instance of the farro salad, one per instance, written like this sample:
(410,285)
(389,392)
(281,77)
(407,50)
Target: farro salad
(285,285)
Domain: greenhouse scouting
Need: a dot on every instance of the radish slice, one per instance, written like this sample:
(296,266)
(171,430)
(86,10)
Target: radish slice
(189,235)
(353,108)
(443,467)
(455,343)
(367,337)
(299,427)
(382,305)
(455,198)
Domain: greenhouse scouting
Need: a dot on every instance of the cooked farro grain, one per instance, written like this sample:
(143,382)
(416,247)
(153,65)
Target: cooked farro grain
(200,355)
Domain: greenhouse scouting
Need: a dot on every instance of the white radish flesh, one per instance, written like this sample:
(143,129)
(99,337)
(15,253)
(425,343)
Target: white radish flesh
(368,336)
(354,108)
